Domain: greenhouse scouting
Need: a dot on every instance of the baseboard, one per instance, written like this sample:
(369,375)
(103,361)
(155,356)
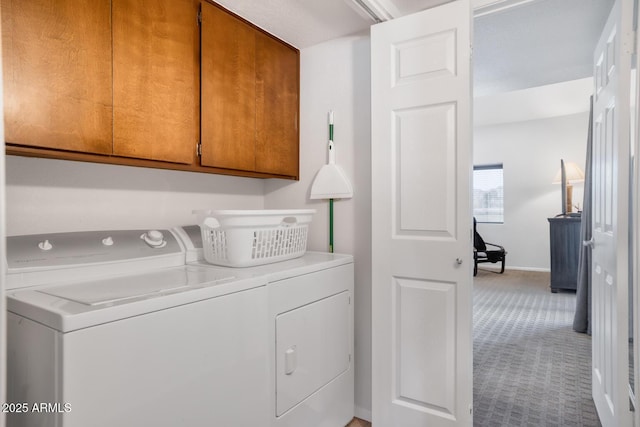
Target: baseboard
(363,414)
(542,270)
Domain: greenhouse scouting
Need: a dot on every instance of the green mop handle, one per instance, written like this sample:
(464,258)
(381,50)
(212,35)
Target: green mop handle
(331,225)
(330,200)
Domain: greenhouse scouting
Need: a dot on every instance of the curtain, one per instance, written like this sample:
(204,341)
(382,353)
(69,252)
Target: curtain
(582,318)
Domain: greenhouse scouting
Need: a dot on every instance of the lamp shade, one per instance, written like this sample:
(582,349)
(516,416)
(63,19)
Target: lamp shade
(573,172)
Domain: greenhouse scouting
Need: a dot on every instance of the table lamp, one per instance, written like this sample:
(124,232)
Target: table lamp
(568,174)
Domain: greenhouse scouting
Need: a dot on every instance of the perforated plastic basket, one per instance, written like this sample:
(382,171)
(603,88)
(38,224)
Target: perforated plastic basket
(243,238)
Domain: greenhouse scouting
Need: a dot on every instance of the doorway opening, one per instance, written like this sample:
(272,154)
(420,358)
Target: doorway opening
(532,83)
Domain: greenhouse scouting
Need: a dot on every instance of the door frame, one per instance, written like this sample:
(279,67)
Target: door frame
(635,225)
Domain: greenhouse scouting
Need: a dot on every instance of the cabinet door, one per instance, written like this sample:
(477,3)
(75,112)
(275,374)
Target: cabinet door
(57,74)
(312,348)
(228,90)
(277,88)
(155,79)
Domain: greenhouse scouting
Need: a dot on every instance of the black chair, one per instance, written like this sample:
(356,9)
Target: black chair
(481,254)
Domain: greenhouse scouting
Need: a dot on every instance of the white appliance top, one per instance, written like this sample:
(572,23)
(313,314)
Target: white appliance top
(308,263)
(117,290)
(72,281)
(73,305)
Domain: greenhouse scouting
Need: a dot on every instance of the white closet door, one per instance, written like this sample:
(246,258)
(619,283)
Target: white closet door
(421,217)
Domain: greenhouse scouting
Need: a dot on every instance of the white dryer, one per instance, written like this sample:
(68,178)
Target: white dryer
(310,329)
(113,329)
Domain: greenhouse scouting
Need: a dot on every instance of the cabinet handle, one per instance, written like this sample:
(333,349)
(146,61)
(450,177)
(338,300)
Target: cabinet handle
(290,360)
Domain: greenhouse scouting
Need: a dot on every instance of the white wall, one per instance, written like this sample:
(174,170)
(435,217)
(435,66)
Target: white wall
(336,76)
(530,152)
(542,102)
(45,196)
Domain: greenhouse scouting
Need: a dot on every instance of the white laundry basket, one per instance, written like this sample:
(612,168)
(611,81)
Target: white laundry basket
(244,238)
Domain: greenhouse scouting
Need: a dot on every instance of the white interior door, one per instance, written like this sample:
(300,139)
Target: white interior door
(612,68)
(421,217)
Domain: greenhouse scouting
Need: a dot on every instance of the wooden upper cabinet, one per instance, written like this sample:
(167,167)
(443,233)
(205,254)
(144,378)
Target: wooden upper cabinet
(277,89)
(155,79)
(249,102)
(228,90)
(57,74)
(140,83)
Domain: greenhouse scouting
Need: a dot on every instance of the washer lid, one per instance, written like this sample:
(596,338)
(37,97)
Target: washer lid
(72,305)
(119,289)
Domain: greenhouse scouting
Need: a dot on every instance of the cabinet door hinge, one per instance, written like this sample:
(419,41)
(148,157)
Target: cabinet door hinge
(199,149)
(199,18)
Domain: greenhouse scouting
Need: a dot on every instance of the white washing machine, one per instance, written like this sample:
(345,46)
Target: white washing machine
(310,329)
(113,329)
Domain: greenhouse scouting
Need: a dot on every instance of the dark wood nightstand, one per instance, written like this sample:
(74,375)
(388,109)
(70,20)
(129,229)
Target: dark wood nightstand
(564,240)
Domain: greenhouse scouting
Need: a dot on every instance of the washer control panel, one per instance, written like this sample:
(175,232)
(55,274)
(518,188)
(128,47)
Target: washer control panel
(87,247)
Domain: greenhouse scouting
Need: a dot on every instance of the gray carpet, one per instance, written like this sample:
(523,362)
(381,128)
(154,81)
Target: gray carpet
(530,367)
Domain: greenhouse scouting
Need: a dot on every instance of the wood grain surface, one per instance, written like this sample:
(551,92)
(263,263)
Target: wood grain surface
(228,90)
(57,74)
(277,88)
(155,79)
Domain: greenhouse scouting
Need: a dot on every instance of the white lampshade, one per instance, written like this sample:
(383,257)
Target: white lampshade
(573,171)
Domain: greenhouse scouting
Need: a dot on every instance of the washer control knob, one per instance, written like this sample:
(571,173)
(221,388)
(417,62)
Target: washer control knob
(107,241)
(45,246)
(154,238)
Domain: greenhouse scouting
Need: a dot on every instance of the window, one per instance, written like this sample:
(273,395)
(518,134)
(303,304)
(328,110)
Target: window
(488,193)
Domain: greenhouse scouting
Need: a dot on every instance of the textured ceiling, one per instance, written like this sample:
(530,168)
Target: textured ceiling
(301,23)
(532,44)
(537,43)
(304,23)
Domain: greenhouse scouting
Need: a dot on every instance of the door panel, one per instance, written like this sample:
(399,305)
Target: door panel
(612,65)
(57,74)
(155,79)
(421,236)
(431,165)
(228,73)
(424,347)
(277,88)
(312,349)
